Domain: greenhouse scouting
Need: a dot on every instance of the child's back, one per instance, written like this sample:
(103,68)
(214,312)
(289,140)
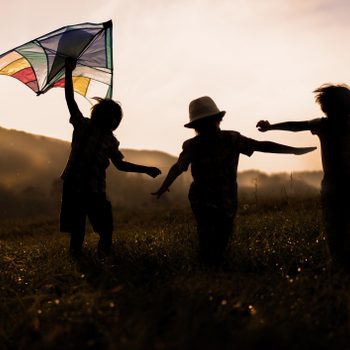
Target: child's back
(333,131)
(92,149)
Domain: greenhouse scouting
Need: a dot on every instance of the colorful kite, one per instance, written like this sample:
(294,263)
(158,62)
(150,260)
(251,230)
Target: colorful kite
(40,63)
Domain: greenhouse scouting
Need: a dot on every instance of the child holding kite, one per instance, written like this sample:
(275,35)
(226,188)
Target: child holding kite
(84,178)
(213,154)
(333,131)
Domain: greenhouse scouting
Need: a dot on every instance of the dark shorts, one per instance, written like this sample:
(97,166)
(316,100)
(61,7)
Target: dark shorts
(215,225)
(77,206)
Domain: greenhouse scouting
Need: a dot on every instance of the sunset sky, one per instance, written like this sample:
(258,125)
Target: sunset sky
(256,59)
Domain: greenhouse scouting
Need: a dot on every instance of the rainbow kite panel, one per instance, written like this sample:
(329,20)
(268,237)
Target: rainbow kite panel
(39,64)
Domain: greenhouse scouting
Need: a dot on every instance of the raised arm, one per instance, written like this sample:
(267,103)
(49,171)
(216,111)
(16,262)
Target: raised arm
(264,125)
(173,173)
(273,147)
(68,87)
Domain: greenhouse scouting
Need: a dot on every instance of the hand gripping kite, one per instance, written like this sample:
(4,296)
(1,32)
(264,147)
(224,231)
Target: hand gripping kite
(40,63)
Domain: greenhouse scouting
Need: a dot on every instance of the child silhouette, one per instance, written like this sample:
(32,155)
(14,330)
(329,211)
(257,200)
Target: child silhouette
(84,178)
(333,131)
(213,155)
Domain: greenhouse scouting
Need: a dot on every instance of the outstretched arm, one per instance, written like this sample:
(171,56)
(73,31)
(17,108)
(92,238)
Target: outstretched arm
(135,168)
(273,147)
(68,87)
(264,125)
(173,173)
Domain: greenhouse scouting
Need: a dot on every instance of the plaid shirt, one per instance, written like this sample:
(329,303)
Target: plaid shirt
(214,161)
(91,150)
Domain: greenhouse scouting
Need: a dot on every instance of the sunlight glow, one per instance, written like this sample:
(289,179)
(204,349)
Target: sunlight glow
(257,60)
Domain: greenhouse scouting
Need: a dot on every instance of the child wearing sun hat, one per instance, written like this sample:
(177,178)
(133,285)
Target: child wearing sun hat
(213,155)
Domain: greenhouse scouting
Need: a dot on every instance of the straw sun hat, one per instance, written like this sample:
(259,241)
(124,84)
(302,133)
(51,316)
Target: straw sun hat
(203,107)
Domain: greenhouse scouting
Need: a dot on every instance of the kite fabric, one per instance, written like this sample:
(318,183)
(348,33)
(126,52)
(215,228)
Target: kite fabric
(40,63)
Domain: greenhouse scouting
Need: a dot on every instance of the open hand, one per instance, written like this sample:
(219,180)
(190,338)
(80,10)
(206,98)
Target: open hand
(153,171)
(263,125)
(303,150)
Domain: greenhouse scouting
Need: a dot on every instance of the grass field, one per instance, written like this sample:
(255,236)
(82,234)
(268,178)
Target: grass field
(274,291)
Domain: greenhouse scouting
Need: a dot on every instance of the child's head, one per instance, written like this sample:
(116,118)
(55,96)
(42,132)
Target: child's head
(106,113)
(334,100)
(207,125)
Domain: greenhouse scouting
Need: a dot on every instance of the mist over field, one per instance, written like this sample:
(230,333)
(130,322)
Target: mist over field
(31,165)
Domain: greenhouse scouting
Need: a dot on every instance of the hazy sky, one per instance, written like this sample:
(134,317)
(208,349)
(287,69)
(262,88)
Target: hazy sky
(256,59)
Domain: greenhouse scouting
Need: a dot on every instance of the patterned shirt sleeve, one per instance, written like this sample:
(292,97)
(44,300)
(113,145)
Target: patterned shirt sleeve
(315,125)
(246,145)
(185,156)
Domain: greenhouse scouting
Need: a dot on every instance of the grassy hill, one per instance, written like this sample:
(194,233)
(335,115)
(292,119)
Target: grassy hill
(275,290)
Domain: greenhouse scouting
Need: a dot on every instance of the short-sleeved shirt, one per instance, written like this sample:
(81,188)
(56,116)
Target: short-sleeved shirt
(214,161)
(335,151)
(92,149)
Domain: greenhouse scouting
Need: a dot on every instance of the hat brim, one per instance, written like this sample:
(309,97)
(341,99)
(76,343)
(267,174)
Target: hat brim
(193,123)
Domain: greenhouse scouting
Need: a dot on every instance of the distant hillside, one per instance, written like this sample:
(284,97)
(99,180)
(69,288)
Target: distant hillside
(30,167)
(31,160)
